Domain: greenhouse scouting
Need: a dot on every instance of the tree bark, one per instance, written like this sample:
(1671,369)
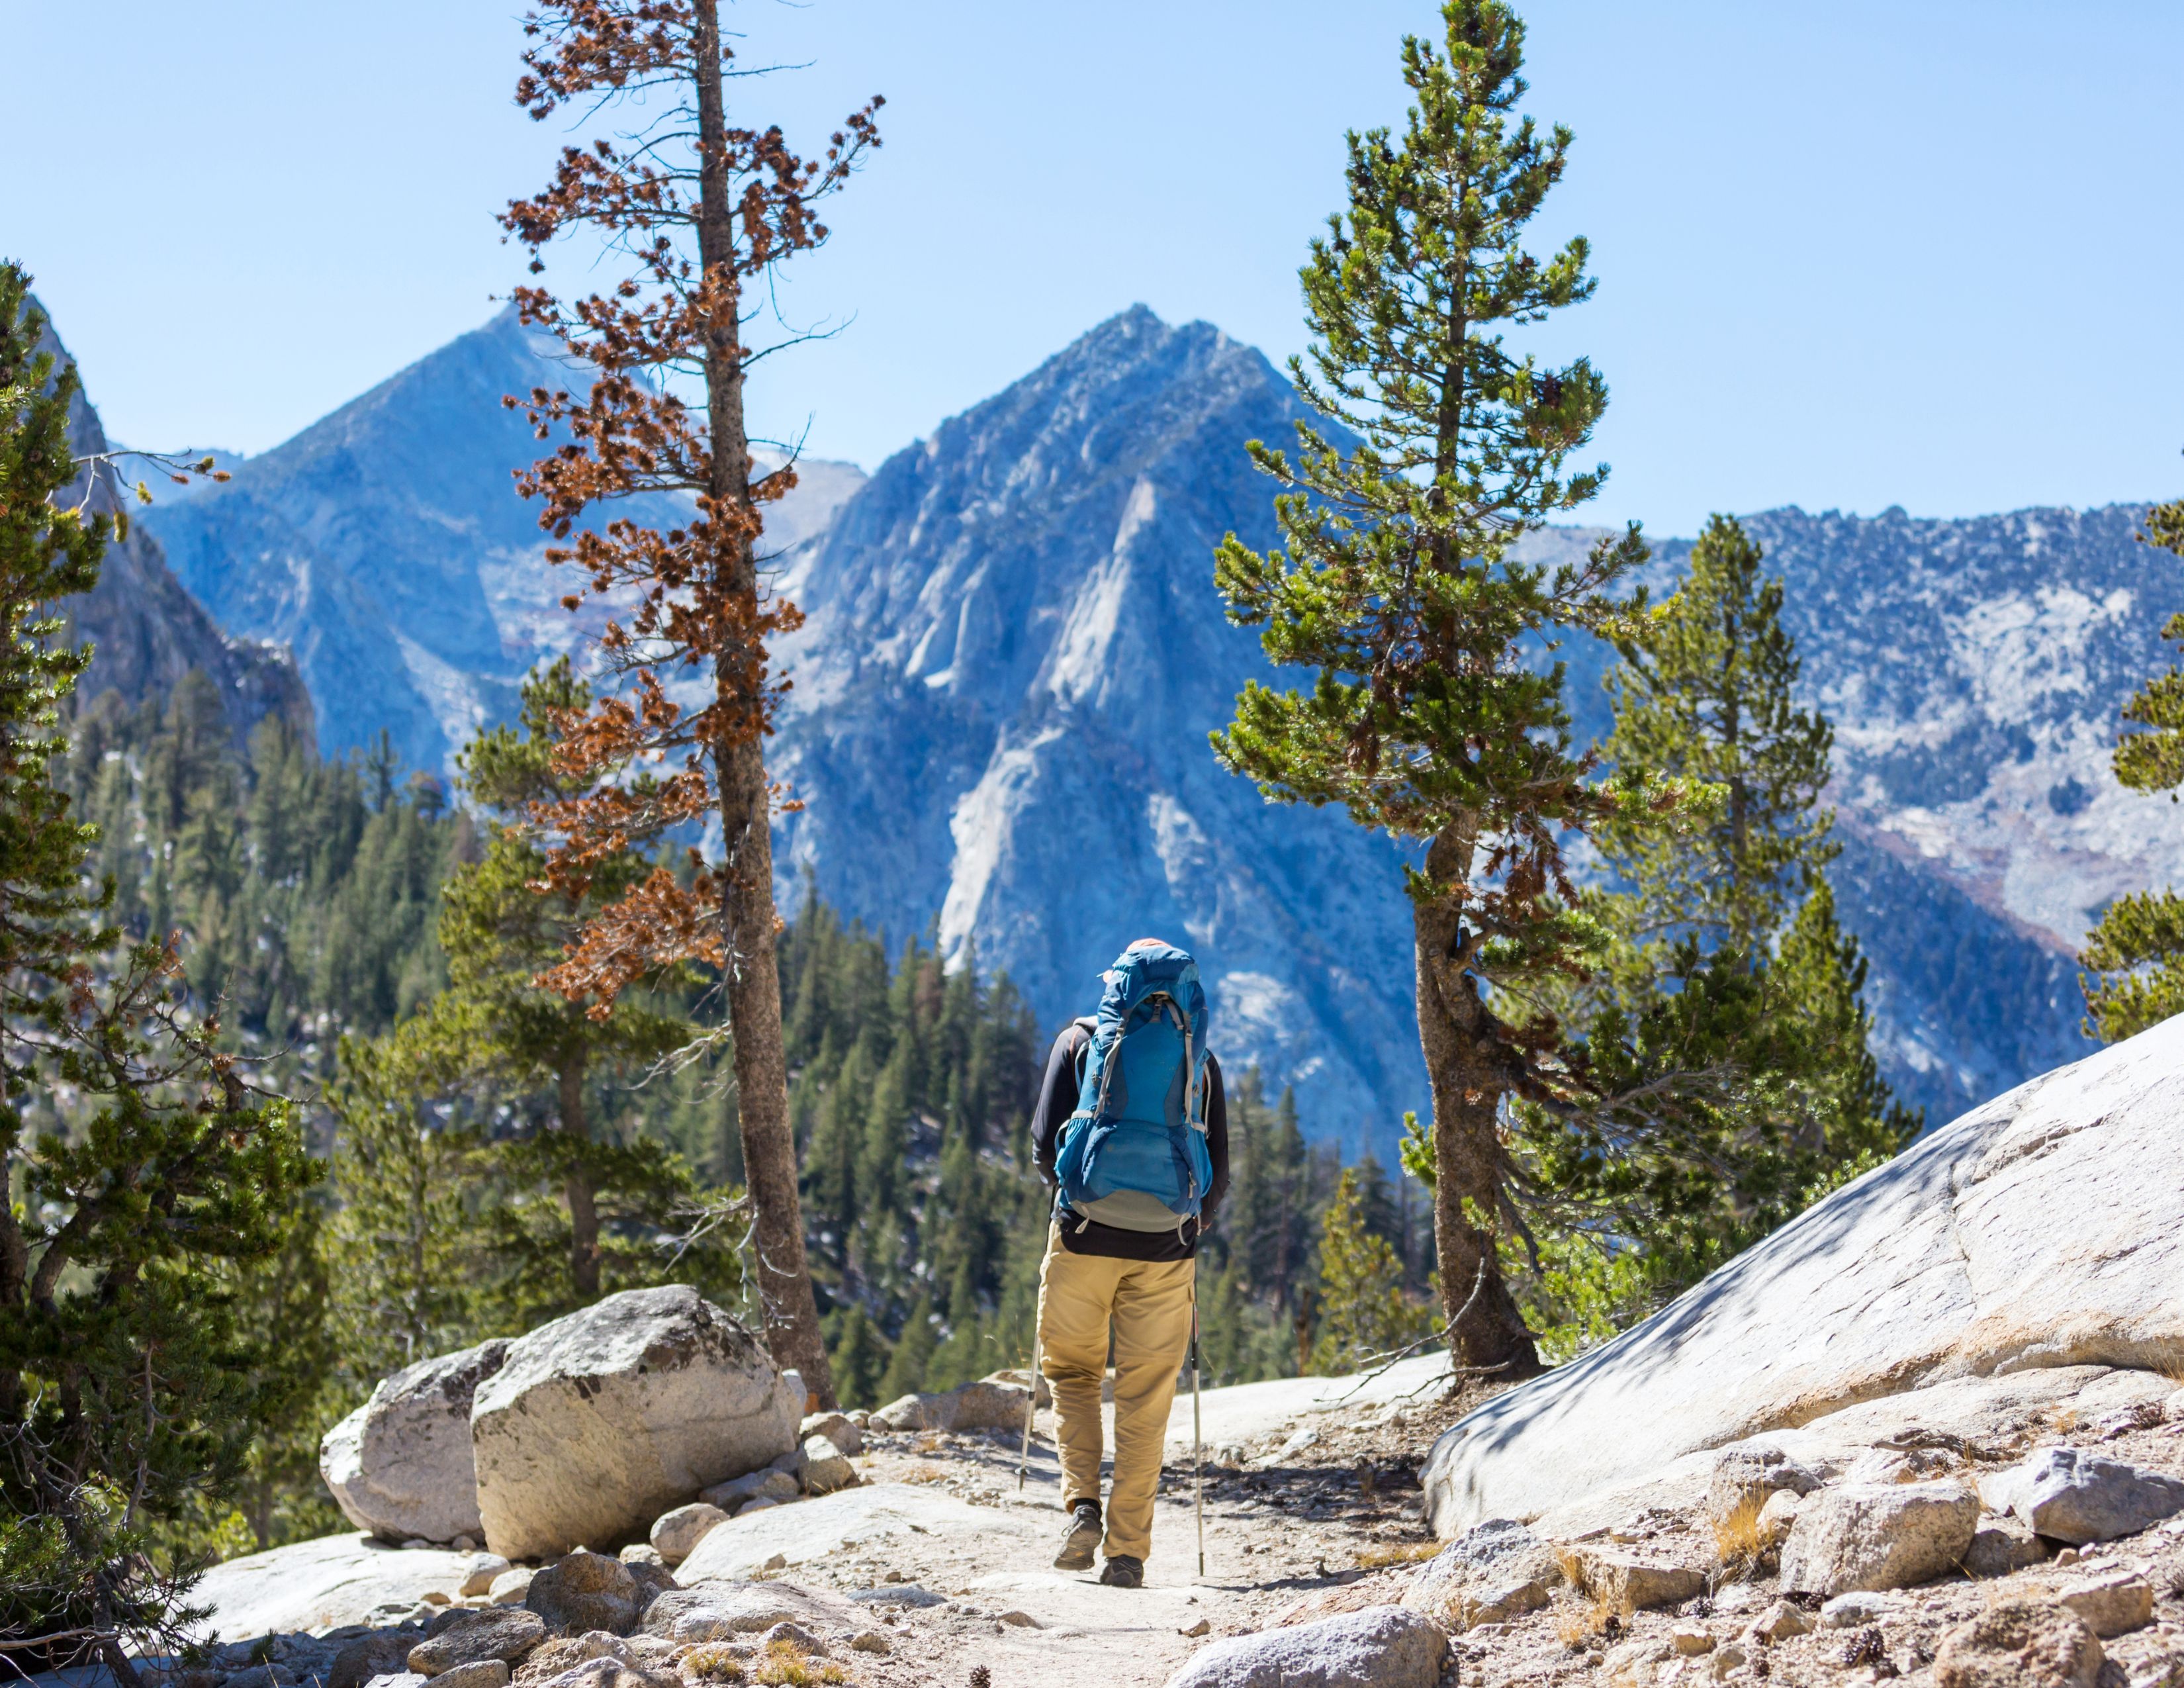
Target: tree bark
(583,1201)
(749,919)
(1456,1031)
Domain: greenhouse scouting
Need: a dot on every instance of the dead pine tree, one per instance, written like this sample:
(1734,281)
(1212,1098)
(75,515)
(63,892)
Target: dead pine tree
(703,210)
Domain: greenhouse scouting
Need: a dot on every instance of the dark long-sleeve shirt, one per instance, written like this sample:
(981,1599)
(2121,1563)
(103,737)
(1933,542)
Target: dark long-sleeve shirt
(1057,1101)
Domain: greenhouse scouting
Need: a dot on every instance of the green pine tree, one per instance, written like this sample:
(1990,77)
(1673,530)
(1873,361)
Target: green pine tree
(2134,957)
(141,1176)
(1402,587)
(1364,1314)
(1725,1006)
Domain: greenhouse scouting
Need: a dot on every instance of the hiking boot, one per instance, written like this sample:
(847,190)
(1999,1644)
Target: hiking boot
(1122,1571)
(1082,1536)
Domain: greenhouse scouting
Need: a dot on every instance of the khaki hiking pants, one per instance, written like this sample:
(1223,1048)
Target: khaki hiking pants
(1148,1303)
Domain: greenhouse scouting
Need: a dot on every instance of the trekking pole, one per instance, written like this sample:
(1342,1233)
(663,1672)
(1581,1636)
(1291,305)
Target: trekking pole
(1197,1452)
(1031,1406)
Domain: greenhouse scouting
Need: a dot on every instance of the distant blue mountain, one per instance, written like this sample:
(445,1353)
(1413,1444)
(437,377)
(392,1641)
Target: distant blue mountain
(1014,654)
(387,546)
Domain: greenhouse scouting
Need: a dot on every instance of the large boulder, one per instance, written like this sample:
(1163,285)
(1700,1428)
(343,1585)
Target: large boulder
(2045,1228)
(399,1466)
(598,1422)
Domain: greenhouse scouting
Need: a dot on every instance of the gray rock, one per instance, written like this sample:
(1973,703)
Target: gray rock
(717,1611)
(914,1595)
(397,1679)
(638,1553)
(2072,1497)
(1857,1610)
(484,1672)
(1746,1477)
(768,1484)
(606,1671)
(1491,1573)
(871,1641)
(826,1468)
(399,1466)
(979,1406)
(382,1652)
(510,1587)
(479,1574)
(581,1591)
(1628,1582)
(674,1534)
(601,1421)
(1878,1535)
(2002,1545)
(506,1633)
(2114,1604)
(1382,1646)
(837,1428)
(2019,1644)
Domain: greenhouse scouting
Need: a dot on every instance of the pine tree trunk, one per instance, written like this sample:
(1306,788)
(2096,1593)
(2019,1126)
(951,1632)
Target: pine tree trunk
(583,1203)
(749,919)
(1456,1032)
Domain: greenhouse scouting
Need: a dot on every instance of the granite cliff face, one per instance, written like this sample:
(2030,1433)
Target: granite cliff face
(146,629)
(1001,698)
(386,544)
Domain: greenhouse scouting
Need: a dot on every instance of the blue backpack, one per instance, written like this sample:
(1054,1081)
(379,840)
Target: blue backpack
(1134,1154)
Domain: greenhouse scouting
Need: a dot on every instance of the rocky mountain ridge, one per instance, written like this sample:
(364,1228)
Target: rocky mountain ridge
(385,545)
(1014,653)
(146,629)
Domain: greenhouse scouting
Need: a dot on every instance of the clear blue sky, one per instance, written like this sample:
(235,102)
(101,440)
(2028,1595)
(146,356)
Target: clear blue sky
(1851,254)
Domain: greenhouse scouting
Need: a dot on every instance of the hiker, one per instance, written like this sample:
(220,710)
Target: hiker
(1132,1134)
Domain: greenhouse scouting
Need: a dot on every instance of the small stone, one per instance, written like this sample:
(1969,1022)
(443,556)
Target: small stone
(2002,1545)
(758,1504)
(1746,1479)
(794,1634)
(1204,1626)
(827,1468)
(464,1544)
(2069,1556)
(779,1561)
(837,1428)
(1636,1664)
(414,1543)
(1691,1640)
(675,1535)
(1855,1611)
(2072,1497)
(1778,1623)
(1021,1620)
(508,1588)
(1727,1656)
(871,1641)
(478,1574)
(2114,1604)
(1776,1517)
(2019,1644)
(773,1485)
(485,1673)
(438,1598)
